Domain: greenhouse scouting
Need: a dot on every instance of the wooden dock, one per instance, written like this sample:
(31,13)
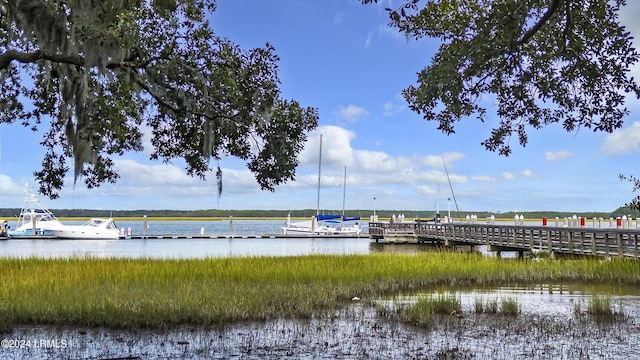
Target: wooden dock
(605,242)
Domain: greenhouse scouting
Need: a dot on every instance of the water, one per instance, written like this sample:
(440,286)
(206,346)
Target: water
(548,326)
(189,247)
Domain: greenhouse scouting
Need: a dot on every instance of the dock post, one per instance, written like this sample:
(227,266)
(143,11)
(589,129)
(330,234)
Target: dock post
(144,225)
(620,247)
(570,240)
(230,225)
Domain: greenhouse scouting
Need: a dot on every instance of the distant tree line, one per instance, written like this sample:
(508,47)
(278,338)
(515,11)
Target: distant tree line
(307,213)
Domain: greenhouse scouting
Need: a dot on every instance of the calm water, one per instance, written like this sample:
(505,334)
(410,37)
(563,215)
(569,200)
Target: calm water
(547,328)
(189,248)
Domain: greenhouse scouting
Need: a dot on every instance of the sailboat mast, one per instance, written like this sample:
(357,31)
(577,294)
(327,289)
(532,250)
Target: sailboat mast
(319,171)
(344,189)
(450,186)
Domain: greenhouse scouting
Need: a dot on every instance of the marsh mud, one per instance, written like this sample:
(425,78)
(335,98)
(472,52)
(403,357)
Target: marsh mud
(548,327)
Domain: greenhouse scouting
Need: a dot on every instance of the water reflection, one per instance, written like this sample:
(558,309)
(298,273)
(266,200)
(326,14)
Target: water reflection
(558,300)
(184,248)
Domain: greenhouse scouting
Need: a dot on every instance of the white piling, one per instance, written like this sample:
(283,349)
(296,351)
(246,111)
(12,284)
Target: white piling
(144,225)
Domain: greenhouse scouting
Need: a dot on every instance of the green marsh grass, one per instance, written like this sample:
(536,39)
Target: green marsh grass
(161,293)
(478,305)
(600,306)
(510,307)
(507,306)
(421,312)
(492,307)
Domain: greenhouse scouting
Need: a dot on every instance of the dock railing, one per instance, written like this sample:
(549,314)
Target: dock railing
(619,242)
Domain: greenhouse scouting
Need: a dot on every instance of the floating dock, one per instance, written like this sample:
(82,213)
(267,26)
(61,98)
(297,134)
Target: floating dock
(198,236)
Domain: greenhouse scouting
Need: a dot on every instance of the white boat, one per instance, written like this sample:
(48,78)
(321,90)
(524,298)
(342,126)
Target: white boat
(94,229)
(323,224)
(34,220)
(320,225)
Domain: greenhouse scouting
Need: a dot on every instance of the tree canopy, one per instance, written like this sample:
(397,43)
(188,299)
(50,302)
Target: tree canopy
(95,75)
(538,62)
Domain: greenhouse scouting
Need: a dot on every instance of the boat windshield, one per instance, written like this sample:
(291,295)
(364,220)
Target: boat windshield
(107,223)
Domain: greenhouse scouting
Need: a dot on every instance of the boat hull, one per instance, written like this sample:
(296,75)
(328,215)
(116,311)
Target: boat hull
(86,235)
(321,230)
(94,229)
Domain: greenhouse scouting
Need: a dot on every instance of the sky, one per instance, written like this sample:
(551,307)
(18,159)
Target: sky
(341,57)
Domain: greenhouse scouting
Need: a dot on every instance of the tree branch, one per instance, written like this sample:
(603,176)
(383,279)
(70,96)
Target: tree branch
(568,27)
(529,34)
(177,110)
(25,58)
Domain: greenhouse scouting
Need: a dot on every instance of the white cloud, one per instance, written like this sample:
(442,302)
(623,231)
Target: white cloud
(483,178)
(557,155)
(394,107)
(336,148)
(439,161)
(508,176)
(367,41)
(425,190)
(623,141)
(152,175)
(352,113)
(528,173)
(381,162)
(388,109)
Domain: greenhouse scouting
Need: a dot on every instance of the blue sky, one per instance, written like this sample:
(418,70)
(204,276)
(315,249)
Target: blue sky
(341,57)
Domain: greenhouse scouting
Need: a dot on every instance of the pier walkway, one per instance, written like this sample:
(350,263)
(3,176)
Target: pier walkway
(621,242)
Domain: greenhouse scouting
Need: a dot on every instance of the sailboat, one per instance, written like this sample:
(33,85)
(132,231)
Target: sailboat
(322,224)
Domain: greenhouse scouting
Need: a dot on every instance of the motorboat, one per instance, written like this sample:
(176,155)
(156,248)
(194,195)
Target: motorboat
(94,229)
(34,220)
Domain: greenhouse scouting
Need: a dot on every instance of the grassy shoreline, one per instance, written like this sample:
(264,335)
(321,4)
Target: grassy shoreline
(162,293)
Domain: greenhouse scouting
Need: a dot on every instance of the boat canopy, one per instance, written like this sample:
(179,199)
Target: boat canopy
(322,217)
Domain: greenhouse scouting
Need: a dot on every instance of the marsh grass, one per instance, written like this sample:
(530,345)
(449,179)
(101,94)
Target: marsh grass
(162,293)
(422,311)
(478,305)
(510,307)
(507,306)
(600,306)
